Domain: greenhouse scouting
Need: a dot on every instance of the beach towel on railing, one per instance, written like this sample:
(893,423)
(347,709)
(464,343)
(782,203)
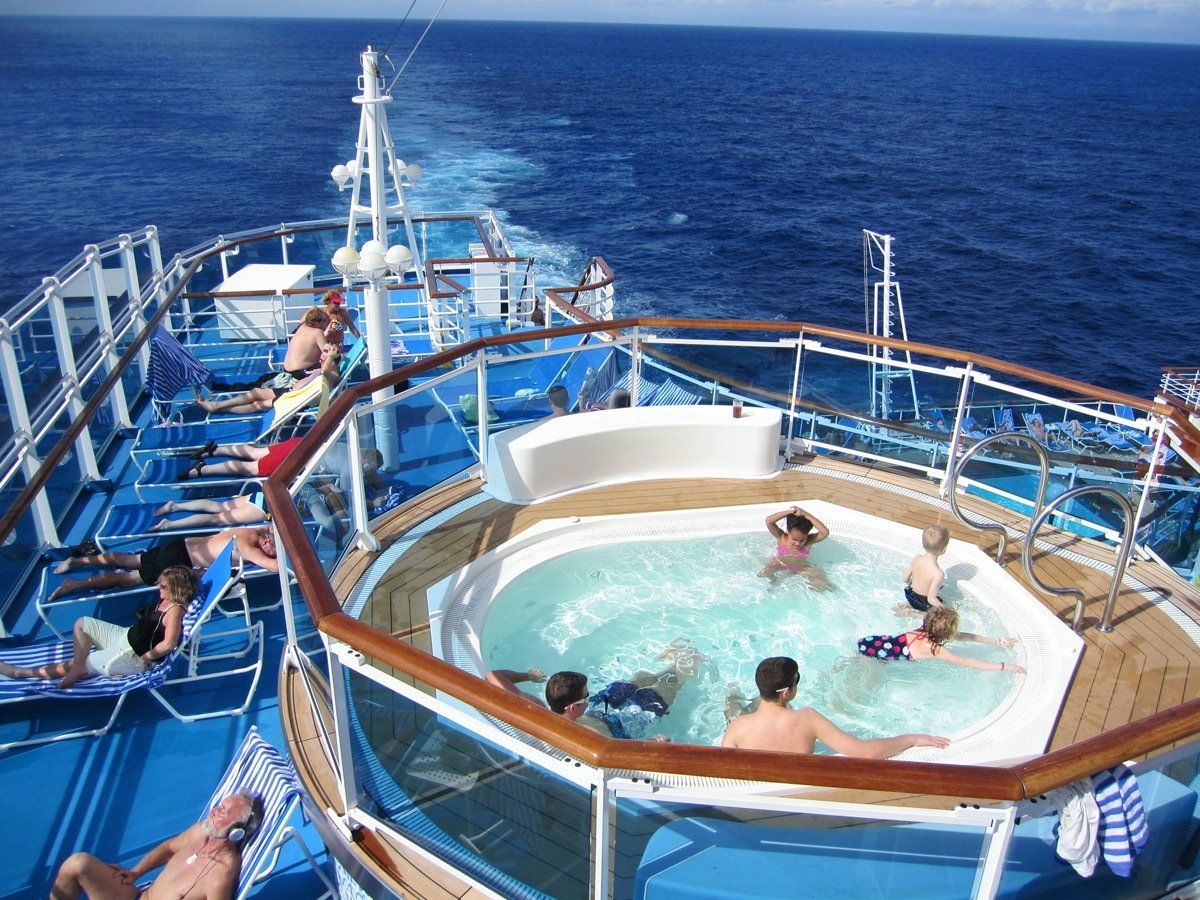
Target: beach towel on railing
(172,368)
(1123,828)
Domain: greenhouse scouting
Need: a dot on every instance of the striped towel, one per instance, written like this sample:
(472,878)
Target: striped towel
(172,368)
(1123,828)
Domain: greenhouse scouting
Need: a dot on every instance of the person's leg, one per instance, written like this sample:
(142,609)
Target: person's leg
(201,505)
(212,470)
(83,641)
(47,673)
(83,872)
(257,400)
(101,582)
(248,451)
(108,559)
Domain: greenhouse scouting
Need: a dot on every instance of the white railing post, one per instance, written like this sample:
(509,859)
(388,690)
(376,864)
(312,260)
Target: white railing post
(22,429)
(339,654)
(57,312)
(134,290)
(601,877)
(119,404)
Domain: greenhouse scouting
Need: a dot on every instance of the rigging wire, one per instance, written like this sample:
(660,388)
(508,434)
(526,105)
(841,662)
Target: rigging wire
(396,33)
(413,52)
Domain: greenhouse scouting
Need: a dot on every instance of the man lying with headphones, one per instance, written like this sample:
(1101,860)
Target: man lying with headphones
(202,863)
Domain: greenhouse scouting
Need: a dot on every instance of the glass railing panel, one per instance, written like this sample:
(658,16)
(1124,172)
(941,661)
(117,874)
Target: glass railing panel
(862,408)
(324,500)
(64,482)
(677,849)
(19,551)
(518,380)
(507,823)
(434,438)
(1170,524)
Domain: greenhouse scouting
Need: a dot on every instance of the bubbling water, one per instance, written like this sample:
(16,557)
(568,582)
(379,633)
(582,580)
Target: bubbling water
(610,611)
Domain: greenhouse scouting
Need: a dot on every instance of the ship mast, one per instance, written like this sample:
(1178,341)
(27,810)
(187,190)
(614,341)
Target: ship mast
(883,310)
(376,168)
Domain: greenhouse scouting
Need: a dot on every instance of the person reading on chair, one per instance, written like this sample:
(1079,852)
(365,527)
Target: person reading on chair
(252,545)
(203,862)
(304,351)
(623,709)
(773,725)
(121,651)
(260,399)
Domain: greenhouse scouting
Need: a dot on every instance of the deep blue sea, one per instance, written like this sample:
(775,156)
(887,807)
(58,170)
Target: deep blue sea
(1043,195)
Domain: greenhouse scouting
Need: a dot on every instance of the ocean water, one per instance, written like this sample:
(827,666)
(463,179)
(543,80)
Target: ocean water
(1042,194)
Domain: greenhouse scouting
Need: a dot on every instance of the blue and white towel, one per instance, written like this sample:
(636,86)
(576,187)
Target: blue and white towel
(172,368)
(1123,828)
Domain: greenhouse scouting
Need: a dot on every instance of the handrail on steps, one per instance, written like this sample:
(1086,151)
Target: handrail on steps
(1040,515)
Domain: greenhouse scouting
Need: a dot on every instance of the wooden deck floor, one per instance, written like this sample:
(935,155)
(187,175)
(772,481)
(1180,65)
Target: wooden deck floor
(1146,664)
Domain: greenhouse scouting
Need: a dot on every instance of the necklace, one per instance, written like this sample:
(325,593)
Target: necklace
(191,859)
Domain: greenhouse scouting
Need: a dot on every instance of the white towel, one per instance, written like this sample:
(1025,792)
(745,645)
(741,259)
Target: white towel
(1078,825)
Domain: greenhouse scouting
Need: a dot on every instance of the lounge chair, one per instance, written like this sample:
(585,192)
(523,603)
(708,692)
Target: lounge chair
(129,523)
(245,637)
(262,770)
(1002,420)
(1131,434)
(973,429)
(281,420)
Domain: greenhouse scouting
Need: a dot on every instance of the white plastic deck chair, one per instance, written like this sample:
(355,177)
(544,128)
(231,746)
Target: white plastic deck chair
(211,588)
(262,770)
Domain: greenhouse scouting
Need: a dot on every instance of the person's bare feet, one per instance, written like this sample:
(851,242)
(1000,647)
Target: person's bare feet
(71,678)
(166,509)
(70,564)
(160,526)
(69,585)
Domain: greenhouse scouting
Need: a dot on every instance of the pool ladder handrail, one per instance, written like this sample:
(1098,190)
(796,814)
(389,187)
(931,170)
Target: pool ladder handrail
(1038,518)
(966,455)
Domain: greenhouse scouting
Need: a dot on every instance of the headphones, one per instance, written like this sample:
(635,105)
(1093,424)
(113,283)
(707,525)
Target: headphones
(243,829)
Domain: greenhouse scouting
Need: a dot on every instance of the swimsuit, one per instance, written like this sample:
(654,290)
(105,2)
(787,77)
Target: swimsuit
(628,710)
(885,647)
(276,454)
(919,602)
(783,554)
(163,556)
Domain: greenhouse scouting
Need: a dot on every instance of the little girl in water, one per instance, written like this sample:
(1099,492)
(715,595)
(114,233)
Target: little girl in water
(801,530)
(928,642)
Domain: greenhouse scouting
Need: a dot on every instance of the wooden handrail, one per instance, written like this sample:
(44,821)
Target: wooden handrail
(996,783)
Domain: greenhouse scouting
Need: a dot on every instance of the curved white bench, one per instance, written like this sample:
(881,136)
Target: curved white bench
(612,446)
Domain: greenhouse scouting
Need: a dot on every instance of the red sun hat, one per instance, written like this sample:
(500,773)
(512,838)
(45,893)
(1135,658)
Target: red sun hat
(334,297)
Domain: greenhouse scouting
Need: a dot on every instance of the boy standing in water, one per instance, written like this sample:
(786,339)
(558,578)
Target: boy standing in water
(923,577)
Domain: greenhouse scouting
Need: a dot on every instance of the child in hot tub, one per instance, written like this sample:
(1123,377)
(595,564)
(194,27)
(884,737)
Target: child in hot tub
(801,530)
(929,642)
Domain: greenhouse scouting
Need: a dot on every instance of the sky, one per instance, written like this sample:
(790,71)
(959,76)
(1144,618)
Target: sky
(1170,21)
